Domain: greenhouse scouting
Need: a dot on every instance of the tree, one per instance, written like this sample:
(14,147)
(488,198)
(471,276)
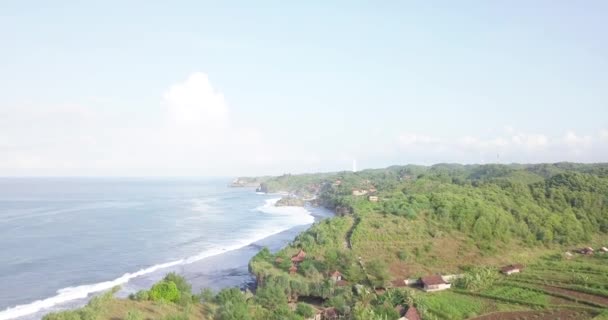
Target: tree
(271,297)
(182,285)
(377,273)
(165,291)
(232,305)
(305,310)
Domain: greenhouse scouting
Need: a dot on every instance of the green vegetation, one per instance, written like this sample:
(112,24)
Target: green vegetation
(93,310)
(444,219)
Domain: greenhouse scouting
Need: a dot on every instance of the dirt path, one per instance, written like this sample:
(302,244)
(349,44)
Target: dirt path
(347,242)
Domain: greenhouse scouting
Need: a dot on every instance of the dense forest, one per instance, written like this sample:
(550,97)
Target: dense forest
(561,203)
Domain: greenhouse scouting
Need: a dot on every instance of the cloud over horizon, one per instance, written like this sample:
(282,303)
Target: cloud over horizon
(193,131)
(193,134)
(510,146)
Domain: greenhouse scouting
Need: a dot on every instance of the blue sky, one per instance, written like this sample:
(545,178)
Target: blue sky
(233,87)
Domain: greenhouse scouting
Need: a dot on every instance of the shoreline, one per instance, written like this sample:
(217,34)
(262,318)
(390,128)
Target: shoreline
(219,269)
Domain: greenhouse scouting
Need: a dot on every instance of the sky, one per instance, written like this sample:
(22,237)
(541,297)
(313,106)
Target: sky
(229,88)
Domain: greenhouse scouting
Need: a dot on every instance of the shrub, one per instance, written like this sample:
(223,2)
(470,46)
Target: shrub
(165,291)
(402,255)
(141,295)
(65,315)
(176,317)
(305,310)
(386,311)
(284,313)
(378,273)
(182,285)
(134,315)
(206,295)
(478,278)
(271,297)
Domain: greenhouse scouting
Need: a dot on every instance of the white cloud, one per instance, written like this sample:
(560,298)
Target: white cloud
(575,141)
(510,146)
(408,139)
(191,132)
(515,140)
(195,103)
(531,141)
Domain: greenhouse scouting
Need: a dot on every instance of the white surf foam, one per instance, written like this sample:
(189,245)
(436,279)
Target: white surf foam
(290,217)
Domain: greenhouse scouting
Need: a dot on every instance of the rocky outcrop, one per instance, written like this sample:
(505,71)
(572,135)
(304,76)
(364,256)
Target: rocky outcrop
(262,187)
(244,183)
(290,202)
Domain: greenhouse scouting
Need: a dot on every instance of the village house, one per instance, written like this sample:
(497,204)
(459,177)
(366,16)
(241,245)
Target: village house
(511,269)
(278,260)
(299,257)
(568,255)
(434,283)
(587,251)
(359,192)
(373,198)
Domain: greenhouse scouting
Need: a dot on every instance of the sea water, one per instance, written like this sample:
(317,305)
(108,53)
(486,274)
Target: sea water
(63,240)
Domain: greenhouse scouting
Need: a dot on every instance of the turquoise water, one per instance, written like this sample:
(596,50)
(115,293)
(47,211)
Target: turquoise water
(64,239)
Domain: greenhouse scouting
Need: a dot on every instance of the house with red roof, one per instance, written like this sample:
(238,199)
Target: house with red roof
(299,257)
(434,283)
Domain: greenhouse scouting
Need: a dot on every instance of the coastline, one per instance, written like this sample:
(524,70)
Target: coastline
(216,270)
(231,269)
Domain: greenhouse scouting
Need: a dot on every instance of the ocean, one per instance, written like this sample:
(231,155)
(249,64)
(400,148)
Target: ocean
(63,240)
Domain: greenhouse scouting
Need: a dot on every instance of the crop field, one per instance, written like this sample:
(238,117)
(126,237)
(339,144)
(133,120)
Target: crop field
(551,288)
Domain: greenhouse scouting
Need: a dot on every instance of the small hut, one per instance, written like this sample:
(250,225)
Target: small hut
(299,257)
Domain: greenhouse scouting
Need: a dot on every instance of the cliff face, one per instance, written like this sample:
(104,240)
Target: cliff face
(262,187)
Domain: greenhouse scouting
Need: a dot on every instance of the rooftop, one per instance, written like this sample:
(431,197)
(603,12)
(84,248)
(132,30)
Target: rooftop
(432,280)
